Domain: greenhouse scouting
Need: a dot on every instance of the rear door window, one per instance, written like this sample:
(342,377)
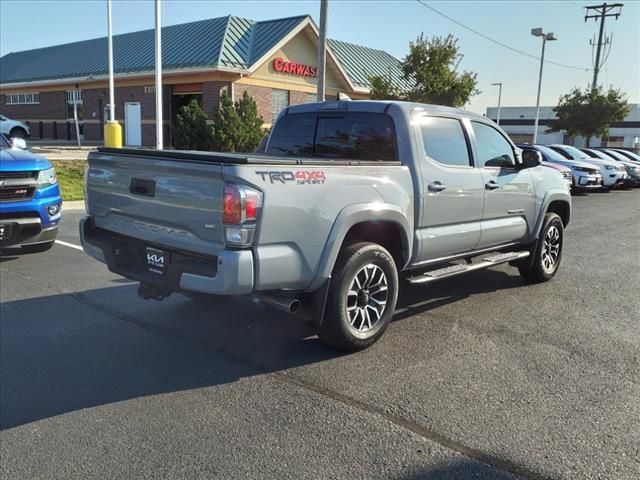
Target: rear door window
(445,142)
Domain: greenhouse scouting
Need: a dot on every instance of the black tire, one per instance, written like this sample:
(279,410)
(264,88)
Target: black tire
(18,132)
(206,297)
(337,328)
(544,267)
(36,248)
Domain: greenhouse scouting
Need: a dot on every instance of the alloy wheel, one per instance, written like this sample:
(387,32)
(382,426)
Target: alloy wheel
(367,298)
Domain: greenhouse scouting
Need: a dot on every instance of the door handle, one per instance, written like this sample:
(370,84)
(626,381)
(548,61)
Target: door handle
(436,186)
(491,185)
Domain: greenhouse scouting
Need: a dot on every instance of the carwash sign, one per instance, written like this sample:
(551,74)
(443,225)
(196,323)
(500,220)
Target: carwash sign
(281,65)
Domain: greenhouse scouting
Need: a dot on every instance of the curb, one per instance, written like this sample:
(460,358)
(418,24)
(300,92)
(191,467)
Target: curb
(73,205)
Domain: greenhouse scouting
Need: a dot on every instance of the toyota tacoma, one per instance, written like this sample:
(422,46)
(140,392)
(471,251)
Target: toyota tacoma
(348,199)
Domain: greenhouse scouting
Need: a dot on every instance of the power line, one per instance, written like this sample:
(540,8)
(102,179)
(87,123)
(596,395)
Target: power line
(497,42)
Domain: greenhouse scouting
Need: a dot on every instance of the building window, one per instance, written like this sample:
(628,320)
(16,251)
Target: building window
(312,98)
(74,96)
(279,101)
(614,142)
(22,98)
(521,137)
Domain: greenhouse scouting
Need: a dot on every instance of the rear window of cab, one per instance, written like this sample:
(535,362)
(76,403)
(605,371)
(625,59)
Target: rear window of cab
(344,135)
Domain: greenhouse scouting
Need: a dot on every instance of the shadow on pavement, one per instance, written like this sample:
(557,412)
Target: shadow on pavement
(67,352)
(460,470)
(416,299)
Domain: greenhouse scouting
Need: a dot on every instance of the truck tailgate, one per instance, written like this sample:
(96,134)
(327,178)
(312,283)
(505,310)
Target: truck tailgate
(171,203)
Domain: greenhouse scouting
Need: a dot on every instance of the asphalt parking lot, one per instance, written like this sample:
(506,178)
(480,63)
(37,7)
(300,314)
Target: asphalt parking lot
(480,376)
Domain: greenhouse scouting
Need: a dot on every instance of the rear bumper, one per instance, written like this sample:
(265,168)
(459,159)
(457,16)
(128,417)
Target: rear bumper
(228,273)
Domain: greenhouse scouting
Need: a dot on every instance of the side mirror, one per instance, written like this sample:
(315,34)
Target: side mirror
(531,158)
(17,142)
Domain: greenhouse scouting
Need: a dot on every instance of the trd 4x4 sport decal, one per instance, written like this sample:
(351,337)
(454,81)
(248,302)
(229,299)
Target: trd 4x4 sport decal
(300,177)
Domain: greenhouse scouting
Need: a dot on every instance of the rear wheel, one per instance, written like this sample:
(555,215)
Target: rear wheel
(548,251)
(362,297)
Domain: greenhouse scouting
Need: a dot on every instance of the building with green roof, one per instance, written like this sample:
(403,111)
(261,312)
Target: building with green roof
(274,61)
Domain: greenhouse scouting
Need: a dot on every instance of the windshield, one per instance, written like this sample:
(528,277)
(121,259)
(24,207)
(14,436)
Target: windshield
(551,154)
(629,154)
(574,152)
(3,142)
(616,155)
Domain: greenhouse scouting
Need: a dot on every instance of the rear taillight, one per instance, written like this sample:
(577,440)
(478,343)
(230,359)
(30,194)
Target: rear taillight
(232,210)
(239,214)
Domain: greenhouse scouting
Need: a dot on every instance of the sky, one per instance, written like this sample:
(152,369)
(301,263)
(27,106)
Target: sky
(387,25)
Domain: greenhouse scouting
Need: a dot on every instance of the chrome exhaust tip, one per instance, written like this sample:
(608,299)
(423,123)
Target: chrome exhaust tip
(283,303)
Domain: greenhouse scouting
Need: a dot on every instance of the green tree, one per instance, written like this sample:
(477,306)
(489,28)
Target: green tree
(589,113)
(190,129)
(431,70)
(251,124)
(226,125)
(237,127)
(385,88)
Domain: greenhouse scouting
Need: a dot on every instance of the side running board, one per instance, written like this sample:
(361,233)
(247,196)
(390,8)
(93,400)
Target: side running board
(454,270)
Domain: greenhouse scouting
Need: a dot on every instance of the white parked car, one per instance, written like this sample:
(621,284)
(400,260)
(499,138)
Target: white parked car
(13,128)
(613,173)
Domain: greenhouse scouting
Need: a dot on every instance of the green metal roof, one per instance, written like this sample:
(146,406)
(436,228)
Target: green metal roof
(229,42)
(361,63)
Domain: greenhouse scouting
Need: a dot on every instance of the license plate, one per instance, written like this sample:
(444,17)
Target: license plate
(6,229)
(157,260)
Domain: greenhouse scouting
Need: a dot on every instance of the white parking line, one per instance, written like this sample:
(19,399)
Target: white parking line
(70,245)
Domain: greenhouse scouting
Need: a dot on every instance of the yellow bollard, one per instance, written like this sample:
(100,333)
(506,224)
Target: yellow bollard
(113,135)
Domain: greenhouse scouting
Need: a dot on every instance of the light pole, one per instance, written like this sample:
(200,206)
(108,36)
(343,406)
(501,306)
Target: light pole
(159,125)
(499,99)
(537,32)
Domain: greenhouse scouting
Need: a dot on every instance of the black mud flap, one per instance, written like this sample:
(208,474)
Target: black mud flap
(313,305)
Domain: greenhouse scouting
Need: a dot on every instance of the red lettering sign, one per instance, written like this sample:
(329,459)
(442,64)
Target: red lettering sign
(299,69)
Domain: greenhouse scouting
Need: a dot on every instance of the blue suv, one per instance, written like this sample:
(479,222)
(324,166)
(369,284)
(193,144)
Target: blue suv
(30,202)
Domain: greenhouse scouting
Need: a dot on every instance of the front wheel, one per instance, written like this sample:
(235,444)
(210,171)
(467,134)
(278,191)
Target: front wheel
(362,297)
(547,253)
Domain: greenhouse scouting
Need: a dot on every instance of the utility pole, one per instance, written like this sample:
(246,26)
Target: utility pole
(601,12)
(322,50)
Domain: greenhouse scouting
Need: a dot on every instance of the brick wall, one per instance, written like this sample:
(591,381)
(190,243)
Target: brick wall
(95,99)
(262,97)
(52,106)
(211,92)
(298,97)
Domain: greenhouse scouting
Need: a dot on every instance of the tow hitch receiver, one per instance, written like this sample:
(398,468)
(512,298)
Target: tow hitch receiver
(147,292)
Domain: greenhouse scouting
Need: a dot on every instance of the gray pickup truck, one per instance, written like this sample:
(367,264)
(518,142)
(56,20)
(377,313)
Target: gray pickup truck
(347,199)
